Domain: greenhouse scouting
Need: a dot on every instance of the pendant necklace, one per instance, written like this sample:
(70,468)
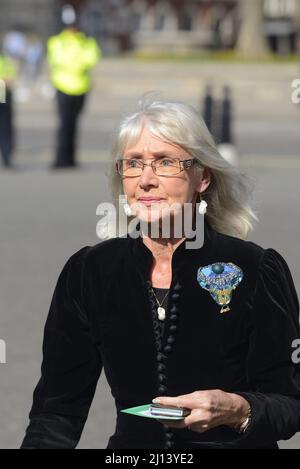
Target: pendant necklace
(161,312)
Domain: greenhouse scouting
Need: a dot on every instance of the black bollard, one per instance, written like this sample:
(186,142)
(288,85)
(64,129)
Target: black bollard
(208,106)
(226,119)
(226,146)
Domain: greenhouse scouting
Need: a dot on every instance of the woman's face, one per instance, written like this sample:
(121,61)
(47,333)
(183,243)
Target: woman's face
(149,194)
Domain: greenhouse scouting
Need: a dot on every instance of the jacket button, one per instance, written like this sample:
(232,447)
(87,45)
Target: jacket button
(171,340)
(174,310)
(168,445)
(161,378)
(167,348)
(177,287)
(168,431)
(161,367)
(160,357)
(162,389)
(173,328)
(175,296)
(174,318)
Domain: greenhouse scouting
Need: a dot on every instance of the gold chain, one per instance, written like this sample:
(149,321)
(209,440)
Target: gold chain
(160,304)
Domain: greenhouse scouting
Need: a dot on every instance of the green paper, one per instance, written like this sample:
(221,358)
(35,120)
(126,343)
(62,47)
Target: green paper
(144,411)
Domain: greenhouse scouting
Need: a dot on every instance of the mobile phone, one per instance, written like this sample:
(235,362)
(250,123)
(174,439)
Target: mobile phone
(169,411)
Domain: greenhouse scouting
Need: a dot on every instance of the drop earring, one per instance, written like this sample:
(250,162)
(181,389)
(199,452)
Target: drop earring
(202,207)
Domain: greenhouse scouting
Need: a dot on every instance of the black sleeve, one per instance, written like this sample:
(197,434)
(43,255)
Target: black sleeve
(272,371)
(71,366)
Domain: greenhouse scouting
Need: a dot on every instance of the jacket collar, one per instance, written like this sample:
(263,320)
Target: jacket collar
(182,255)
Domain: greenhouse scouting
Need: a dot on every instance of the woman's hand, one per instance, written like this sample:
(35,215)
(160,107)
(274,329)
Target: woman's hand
(209,409)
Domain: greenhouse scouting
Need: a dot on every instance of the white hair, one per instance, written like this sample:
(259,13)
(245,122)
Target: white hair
(229,194)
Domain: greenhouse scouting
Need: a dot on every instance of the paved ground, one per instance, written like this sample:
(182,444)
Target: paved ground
(45,217)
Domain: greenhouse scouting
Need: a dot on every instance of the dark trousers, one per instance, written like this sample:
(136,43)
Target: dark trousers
(69,109)
(6,129)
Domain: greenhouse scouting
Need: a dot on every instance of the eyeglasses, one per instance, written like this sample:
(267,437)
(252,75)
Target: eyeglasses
(164,166)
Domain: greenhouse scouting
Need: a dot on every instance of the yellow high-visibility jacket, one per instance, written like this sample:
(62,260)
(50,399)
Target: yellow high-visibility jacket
(7,69)
(71,56)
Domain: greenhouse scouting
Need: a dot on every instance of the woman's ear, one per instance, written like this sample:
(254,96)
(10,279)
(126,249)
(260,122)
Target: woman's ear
(205,180)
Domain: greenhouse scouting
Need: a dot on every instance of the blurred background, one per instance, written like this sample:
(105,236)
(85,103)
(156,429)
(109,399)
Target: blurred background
(236,61)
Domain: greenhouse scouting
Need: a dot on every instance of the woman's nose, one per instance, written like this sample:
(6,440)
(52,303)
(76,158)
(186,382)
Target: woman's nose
(148,177)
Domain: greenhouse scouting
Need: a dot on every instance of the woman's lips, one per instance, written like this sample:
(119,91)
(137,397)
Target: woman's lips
(150,201)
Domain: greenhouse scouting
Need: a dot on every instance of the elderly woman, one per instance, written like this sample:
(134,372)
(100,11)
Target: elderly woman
(209,328)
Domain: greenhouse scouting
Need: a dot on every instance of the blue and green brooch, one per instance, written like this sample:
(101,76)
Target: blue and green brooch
(220,279)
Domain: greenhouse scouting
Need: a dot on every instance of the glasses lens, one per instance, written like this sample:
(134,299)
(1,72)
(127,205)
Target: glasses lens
(129,168)
(167,167)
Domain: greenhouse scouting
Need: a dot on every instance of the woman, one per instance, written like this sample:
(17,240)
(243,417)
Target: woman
(210,329)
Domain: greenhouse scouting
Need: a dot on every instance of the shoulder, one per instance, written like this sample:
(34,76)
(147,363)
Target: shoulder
(252,253)
(53,41)
(91,261)
(92,44)
(91,40)
(85,37)
(245,251)
(54,38)
(266,268)
(110,246)
(267,275)
(101,253)
(256,261)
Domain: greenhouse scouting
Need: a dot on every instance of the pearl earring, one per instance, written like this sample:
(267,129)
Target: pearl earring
(127,210)
(202,207)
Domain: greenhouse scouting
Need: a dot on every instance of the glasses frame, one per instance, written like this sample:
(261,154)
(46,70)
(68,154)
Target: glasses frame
(185,165)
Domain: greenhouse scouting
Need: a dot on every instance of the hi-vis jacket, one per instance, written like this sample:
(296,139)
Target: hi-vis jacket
(7,70)
(71,56)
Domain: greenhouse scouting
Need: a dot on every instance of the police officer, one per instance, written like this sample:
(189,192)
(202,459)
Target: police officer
(71,56)
(7,74)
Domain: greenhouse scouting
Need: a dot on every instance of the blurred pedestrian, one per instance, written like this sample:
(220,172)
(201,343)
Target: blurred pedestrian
(7,74)
(71,56)
(33,58)
(14,47)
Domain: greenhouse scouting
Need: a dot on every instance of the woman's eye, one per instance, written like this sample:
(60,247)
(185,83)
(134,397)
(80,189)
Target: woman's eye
(133,163)
(166,162)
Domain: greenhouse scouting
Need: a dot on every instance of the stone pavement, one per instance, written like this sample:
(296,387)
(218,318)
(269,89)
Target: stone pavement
(46,217)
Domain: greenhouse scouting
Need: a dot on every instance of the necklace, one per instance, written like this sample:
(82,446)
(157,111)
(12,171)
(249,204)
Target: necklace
(161,312)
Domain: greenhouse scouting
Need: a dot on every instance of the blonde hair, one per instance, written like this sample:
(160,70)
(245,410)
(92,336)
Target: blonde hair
(228,196)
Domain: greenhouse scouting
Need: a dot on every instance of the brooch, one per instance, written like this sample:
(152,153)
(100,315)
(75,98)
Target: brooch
(220,279)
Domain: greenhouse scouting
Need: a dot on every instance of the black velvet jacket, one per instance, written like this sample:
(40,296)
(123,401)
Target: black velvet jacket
(101,316)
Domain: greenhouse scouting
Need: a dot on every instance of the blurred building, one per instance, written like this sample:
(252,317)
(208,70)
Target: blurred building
(164,25)
(283,25)
(156,25)
(28,16)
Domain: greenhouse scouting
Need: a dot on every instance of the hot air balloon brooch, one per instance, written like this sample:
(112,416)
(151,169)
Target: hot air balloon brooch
(220,279)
